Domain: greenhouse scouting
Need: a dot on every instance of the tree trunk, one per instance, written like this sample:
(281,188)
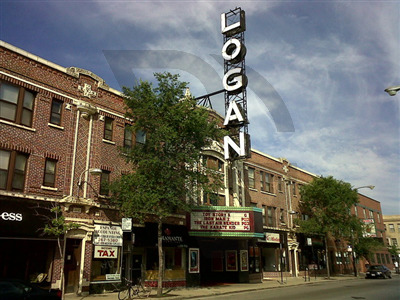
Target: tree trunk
(160,259)
(328,272)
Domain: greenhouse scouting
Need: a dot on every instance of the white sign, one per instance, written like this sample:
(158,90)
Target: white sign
(272,237)
(220,221)
(106,235)
(105,252)
(113,276)
(127,224)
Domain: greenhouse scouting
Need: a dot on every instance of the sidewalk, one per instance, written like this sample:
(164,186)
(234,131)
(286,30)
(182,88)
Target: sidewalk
(227,288)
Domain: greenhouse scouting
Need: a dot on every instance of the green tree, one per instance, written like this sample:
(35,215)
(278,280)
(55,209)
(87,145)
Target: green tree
(58,227)
(327,203)
(365,247)
(167,171)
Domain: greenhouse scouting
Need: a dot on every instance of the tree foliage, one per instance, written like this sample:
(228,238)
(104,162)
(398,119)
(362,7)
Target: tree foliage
(327,202)
(365,247)
(167,167)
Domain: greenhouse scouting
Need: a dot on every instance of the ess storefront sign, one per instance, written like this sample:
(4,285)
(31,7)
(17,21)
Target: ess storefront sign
(11,216)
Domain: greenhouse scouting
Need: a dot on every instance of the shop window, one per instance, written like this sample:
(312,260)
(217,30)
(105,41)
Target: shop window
(250,174)
(128,137)
(56,110)
(108,128)
(50,172)
(12,170)
(16,104)
(140,137)
(102,265)
(104,182)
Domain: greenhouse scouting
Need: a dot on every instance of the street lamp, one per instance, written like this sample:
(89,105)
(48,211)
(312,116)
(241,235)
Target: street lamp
(353,254)
(392,90)
(93,171)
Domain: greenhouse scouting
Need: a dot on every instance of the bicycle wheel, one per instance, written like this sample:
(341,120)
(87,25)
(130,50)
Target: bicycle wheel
(144,292)
(124,294)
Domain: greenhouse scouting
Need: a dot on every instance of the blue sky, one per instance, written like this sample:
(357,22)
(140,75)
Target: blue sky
(318,70)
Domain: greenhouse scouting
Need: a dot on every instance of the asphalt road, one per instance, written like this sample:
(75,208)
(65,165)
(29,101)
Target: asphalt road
(370,289)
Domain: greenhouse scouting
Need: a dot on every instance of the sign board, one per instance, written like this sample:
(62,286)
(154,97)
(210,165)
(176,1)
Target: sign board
(126,224)
(272,237)
(309,241)
(105,252)
(106,235)
(113,276)
(226,221)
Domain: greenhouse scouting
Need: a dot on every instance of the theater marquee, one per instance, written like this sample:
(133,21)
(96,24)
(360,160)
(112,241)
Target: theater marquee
(226,221)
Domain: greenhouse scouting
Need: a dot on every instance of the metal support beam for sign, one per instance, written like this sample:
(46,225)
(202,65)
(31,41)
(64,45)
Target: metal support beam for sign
(205,99)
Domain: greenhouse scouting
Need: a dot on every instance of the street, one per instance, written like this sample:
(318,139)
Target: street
(372,289)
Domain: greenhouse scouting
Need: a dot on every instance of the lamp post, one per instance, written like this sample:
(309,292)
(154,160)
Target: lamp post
(93,171)
(353,254)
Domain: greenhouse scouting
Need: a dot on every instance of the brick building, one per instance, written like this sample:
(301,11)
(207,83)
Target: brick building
(60,134)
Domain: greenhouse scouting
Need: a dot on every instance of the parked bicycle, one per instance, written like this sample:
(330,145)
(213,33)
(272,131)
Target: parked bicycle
(131,290)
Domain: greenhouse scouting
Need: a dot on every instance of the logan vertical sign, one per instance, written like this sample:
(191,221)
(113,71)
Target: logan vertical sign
(237,143)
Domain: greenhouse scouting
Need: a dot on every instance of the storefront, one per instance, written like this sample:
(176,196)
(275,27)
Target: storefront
(26,252)
(140,259)
(225,240)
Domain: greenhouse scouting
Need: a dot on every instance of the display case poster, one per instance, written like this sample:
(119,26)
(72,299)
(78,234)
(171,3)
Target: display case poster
(244,260)
(231,260)
(194,260)
(217,261)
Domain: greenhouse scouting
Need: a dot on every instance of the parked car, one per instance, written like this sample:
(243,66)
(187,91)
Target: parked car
(15,289)
(378,271)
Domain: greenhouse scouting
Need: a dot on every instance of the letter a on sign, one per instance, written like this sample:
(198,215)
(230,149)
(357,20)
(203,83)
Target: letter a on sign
(237,115)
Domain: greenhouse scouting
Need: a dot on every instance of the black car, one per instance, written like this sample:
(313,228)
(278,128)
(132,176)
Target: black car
(14,289)
(378,271)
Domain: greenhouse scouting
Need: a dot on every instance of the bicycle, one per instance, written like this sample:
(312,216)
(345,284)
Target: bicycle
(134,290)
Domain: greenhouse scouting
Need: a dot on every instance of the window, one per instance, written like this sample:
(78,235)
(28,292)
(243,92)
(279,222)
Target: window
(56,109)
(16,104)
(127,137)
(391,227)
(104,182)
(270,216)
(50,172)
(140,137)
(251,178)
(264,214)
(294,188)
(12,170)
(394,242)
(379,217)
(213,199)
(280,184)
(282,216)
(371,214)
(398,227)
(214,163)
(108,128)
(265,182)
(365,213)
(355,211)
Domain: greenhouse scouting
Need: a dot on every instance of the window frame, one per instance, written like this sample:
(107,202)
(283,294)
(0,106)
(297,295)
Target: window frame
(128,136)
(251,179)
(12,173)
(47,172)
(108,132)
(53,112)
(104,183)
(142,140)
(20,107)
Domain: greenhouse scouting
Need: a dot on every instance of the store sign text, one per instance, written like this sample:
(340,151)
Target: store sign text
(107,235)
(10,216)
(220,221)
(105,252)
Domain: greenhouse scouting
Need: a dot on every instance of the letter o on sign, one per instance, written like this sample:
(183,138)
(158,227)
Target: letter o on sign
(233,51)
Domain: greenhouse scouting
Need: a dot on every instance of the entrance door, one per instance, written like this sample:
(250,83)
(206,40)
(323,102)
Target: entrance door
(72,265)
(136,267)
